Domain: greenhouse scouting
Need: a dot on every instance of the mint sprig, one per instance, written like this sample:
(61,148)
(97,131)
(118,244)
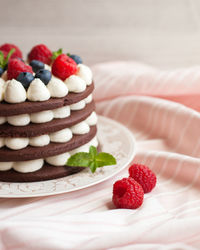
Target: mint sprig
(4,61)
(56,54)
(93,159)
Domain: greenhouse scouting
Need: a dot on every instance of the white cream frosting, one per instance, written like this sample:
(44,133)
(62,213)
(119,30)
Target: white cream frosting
(14,92)
(85,73)
(88,99)
(62,112)
(28,166)
(57,160)
(16,143)
(78,106)
(2,142)
(92,119)
(4,166)
(2,82)
(42,117)
(60,136)
(39,141)
(48,115)
(37,91)
(2,120)
(75,84)
(19,120)
(80,128)
(57,88)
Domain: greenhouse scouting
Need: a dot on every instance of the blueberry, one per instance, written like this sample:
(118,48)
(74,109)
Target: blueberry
(1,71)
(36,65)
(76,58)
(44,75)
(25,78)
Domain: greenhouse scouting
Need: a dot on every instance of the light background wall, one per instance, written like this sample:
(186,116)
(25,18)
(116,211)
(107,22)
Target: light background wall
(164,33)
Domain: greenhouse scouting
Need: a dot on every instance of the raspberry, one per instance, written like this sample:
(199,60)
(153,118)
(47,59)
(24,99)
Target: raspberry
(127,193)
(144,176)
(64,66)
(15,67)
(5,48)
(41,53)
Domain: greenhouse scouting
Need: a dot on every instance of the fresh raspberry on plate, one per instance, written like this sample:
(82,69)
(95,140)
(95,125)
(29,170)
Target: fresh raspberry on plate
(41,53)
(144,176)
(63,67)
(5,48)
(15,67)
(127,193)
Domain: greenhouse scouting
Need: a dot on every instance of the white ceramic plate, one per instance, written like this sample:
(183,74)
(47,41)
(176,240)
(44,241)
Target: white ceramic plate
(113,137)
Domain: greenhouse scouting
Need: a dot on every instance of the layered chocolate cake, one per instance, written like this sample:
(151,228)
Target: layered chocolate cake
(46,113)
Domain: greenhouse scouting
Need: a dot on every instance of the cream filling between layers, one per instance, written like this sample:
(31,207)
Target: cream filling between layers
(45,116)
(58,160)
(60,136)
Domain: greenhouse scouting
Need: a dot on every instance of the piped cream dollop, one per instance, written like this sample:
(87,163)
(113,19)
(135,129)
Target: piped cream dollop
(14,92)
(57,88)
(37,91)
(2,83)
(75,84)
(85,73)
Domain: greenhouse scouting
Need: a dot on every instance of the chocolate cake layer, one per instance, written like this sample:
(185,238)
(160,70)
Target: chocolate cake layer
(7,109)
(32,153)
(47,172)
(34,129)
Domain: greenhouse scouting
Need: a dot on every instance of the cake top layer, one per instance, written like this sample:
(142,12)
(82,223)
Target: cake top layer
(44,75)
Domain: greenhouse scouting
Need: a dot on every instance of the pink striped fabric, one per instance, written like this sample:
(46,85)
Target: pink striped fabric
(160,108)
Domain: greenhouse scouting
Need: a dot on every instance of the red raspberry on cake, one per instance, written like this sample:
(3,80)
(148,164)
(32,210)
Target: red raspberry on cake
(127,193)
(63,67)
(41,53)
(144,176)
(15,67)
(5,48)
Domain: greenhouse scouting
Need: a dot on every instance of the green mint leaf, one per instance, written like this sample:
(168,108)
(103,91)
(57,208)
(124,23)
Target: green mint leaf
(79,160)
(8,56)
(93,152)
(56,54)
(93,166)
(105,159)
(93,160)
(68,54)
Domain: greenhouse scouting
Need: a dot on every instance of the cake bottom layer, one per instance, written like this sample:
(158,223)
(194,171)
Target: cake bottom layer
(47,172)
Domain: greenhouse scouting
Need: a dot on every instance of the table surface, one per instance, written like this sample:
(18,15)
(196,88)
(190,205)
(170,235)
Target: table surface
(162,33)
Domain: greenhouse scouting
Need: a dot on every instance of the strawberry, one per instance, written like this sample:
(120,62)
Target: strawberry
(63,67)
(5,48)
(41,53)
(15,67)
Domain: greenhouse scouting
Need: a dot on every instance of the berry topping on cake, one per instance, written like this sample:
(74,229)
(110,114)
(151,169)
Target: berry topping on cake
(6,48)
(1,71)
(15,67)
(76,58)
(144,176)
(127,193)
(36,65)
(64,66)
(25,78)
(41,53)
(44,75)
